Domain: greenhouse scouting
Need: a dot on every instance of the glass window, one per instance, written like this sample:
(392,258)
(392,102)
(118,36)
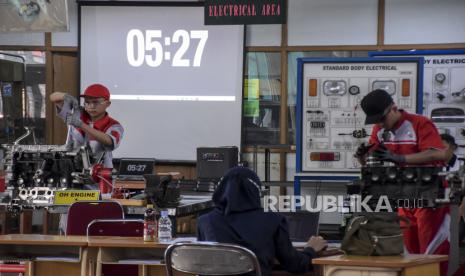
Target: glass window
(292,80)
(261,102)
(22,101)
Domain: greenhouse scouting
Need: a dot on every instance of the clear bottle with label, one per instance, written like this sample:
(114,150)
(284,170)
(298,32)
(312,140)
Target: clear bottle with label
(164,227)
(150,224)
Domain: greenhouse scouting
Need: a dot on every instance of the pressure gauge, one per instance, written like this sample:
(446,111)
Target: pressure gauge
(386,85)
(334,87)
(440,77)
(354,90)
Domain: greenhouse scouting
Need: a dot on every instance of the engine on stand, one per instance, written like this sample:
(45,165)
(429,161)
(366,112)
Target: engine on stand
(409,186)
(34,173)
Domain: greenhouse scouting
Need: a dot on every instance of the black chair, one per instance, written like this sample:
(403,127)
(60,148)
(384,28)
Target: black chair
(210,258)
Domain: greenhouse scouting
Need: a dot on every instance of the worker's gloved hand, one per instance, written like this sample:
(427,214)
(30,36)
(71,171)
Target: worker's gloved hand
(74,119)
(69,105)
(362,150)
(383,154)
(70,102)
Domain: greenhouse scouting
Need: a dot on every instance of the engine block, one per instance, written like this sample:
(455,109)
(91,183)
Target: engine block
(33,173)
(412,187)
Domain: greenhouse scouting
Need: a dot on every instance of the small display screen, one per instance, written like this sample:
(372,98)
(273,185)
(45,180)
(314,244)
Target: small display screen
(135,167)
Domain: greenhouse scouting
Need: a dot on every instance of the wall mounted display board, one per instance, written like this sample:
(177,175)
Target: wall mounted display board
(330,123)
(443,89)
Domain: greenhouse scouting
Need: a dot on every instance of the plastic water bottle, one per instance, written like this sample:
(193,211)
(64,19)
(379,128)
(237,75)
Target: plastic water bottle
(164,227)
(150,224)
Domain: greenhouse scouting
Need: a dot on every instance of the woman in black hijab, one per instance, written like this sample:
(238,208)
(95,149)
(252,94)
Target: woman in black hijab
(238,218)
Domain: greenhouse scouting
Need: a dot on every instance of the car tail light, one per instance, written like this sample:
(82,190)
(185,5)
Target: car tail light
(325,156)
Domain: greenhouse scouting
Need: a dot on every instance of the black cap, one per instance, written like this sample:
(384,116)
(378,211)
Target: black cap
(449,139)
(375,104)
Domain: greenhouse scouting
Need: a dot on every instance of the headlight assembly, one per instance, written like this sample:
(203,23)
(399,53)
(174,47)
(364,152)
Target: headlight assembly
(334,87)
(388,85)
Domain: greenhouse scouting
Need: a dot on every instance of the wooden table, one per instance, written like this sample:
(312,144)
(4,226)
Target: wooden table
(148,256)
(47,254)
(409,265)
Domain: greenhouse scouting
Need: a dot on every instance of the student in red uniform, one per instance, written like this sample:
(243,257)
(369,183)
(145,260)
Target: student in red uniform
(91,125)
(409,139)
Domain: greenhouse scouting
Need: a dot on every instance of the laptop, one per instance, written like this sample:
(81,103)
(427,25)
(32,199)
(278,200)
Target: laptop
(302,225)
(133,169)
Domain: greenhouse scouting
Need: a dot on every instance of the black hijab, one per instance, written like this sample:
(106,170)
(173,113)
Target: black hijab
(238,216)
(238,191)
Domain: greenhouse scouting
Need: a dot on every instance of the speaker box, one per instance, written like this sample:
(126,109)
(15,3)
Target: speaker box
(213,162)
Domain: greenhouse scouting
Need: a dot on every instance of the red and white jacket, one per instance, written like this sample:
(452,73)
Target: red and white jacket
(412,134)
(77,137)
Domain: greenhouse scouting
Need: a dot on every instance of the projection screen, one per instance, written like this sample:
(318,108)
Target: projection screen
(175,83)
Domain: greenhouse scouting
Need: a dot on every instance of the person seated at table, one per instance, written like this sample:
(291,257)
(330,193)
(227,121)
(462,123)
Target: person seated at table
(238,218)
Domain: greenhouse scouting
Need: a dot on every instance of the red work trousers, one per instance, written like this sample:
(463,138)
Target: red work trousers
(428,232)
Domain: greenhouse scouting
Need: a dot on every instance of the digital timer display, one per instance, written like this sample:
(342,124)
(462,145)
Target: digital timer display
(146,47)
(136,168)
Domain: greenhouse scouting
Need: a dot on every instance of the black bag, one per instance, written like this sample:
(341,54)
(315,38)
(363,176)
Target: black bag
(374,234)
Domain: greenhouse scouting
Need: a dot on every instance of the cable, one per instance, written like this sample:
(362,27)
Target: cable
(317,192)
(106,181)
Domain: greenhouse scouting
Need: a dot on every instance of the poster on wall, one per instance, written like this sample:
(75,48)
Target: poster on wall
(330,123)
(34,16)
(443,89)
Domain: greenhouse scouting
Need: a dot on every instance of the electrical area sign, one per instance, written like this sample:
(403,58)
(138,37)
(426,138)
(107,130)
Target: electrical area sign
(443,90)
(240,12)
(330,123)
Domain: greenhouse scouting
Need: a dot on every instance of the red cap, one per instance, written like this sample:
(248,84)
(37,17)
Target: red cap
(97,91)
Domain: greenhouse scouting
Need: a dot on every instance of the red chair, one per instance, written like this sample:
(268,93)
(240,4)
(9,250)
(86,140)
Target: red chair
(81,213)
(20,269)
(460,271)
(121,228)
(116,227)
